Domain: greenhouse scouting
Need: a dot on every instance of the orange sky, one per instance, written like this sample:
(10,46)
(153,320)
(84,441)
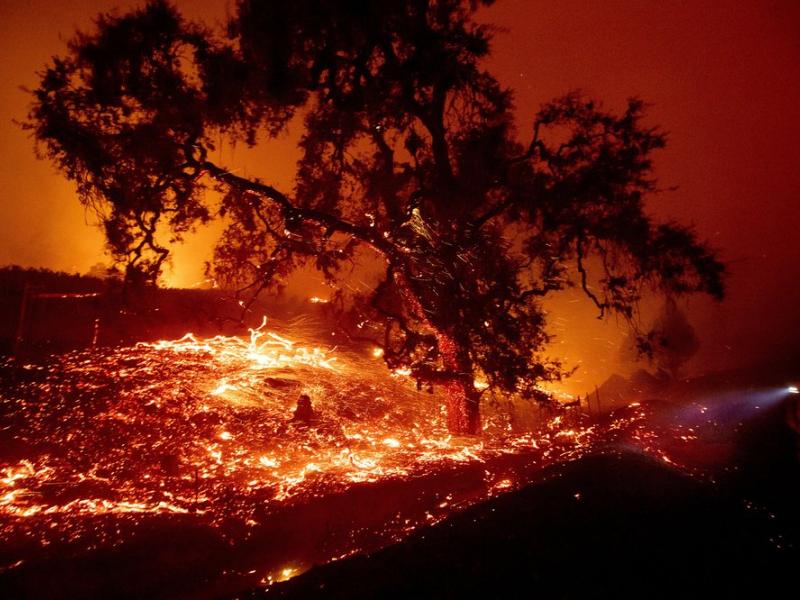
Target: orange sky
(724,79)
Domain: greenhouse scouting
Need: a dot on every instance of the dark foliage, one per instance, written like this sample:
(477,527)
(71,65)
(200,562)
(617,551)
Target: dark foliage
(13,280)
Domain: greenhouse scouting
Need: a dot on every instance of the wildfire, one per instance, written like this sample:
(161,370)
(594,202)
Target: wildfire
(203,429)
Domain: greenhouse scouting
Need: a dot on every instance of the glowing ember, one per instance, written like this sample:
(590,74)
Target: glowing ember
(480,385)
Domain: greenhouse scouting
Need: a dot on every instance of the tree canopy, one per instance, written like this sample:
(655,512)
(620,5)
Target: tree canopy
(409,156)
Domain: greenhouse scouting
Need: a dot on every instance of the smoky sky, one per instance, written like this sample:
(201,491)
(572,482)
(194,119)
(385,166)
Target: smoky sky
(722,78)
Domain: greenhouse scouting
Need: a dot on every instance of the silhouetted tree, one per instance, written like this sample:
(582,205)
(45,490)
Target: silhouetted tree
(673,339)
(667,344)
(409,157)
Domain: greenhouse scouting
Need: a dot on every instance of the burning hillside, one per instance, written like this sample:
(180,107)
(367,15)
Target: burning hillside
(99,445)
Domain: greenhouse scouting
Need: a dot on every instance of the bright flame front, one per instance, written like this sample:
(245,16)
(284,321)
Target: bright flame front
(203,429)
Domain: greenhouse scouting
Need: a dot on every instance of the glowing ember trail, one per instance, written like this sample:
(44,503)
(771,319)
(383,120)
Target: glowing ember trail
(97,442)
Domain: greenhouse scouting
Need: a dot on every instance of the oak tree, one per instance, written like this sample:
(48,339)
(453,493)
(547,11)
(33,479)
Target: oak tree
(409,157)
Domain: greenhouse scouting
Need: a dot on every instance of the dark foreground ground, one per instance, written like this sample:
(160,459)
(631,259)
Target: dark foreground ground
(615,524)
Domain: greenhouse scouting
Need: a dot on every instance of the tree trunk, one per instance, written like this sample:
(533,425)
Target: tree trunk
(463,411)
(462,404)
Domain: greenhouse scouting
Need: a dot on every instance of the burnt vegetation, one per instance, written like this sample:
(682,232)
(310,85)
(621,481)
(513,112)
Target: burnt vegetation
(410,158)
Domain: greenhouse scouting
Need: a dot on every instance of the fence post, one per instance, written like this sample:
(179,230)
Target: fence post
(597,394)
(23,310)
